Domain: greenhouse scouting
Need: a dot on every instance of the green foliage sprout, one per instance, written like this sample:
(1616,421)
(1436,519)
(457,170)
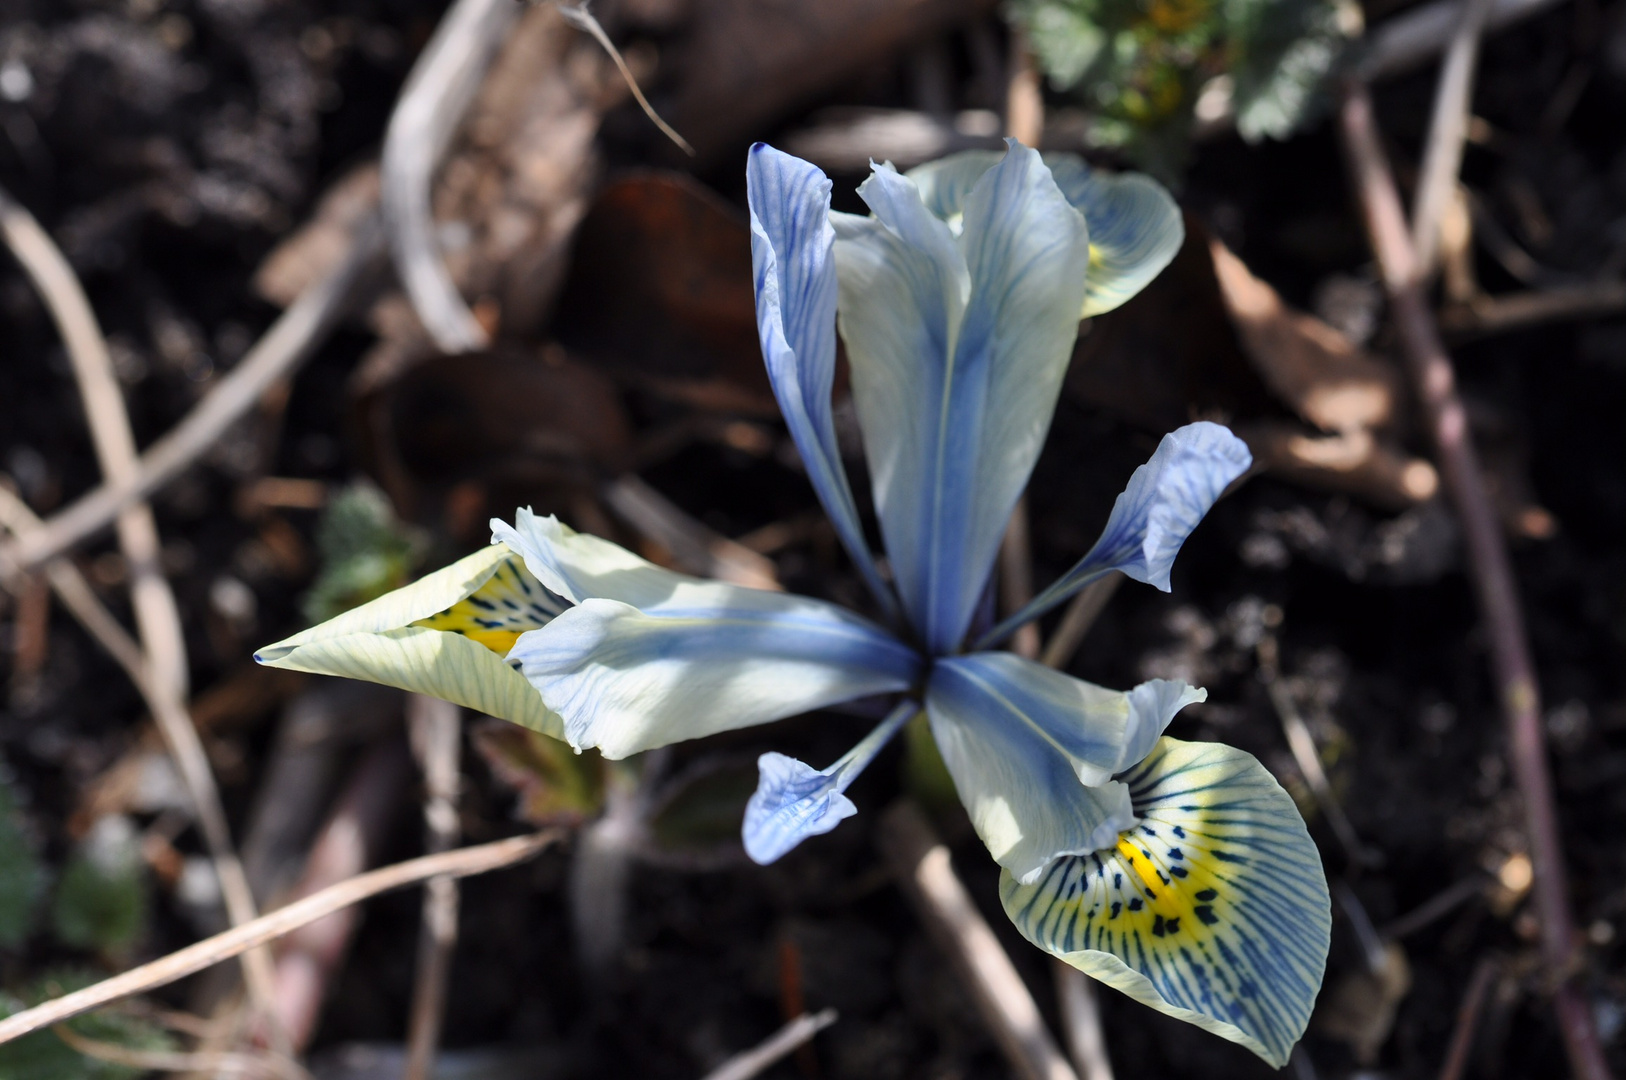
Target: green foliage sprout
(1138,66)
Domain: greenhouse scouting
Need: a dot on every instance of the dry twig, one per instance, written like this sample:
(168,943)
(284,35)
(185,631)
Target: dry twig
(263,1066)
(1462,1034)
(920,864)
(1512,667)
(1442,155)
(163,645)
(436,733)
(464,862)
(291,340)
(786,1040)
(437,94)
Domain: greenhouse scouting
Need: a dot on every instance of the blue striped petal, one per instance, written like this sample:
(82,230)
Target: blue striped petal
(1212,909)
(791,242)
(958,345)
(1135,229)
(1166,499)
(713,658)
(1135,225)
(1033,752)
(794,801)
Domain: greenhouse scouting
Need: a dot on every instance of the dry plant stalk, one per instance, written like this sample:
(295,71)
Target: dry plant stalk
(290,341)
(1512,667)
(436,730)
(163,645)
(921,865)
(464,862)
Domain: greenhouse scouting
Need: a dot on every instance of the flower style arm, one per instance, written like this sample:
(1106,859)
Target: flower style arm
(646,657)
(795,277)
(958,345)
(1212,909)
(1165,500)
(1033,752)
(794,801)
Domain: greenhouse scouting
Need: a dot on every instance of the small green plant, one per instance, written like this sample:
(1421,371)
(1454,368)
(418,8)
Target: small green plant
(21,877)
(366,551)
(1139,66)
(101,899)
(44,1056)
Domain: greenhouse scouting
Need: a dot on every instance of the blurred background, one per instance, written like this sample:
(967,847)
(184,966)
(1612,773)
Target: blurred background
(579,337)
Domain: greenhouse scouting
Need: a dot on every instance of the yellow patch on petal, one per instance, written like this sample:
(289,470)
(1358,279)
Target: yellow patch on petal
(510,603)
(1213,908)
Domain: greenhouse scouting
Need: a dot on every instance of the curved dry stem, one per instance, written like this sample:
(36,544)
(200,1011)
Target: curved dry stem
(267,928)
(437,94)
(290,341)
(158,620)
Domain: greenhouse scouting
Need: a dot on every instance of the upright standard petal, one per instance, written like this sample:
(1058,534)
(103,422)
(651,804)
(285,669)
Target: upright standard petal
(958,346)
(1135,226)
(794,801)
(1033,752)
(1165,500)
(1212,909)
(444,635)
(791,241)
(727,657)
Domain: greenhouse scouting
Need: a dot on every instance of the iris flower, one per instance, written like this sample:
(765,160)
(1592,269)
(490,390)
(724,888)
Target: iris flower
(1178,872)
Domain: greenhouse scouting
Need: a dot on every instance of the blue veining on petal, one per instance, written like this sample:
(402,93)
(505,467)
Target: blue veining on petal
(1033,752)
(1165,500)
(791,241)
(626,680)
(958,346)
(794,801)
(1212,909)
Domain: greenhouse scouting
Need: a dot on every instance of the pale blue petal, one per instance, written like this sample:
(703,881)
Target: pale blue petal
(958,346)
(712,658)
(791,242)
(1134,224)
(1166,499)
(1135,228)
(1212,909)
(794,801)
(1033,752)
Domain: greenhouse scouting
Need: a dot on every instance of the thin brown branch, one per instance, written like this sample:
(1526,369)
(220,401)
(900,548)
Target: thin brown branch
(1515,311)
(1462,1034)
(1512,667)
(785,1041)
(436,730)
(578,16)
(1081,613)
(262,1065)
(1442,154)
(1305,755)
(464,862)
(921,866)
(1016,579)
(440,89)
(290,341)
(693,546)
(158,620)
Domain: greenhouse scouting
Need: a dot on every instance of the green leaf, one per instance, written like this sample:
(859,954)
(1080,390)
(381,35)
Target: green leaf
(101,899)
(43,1056)
(365,552)
(22,878)
(555,784)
